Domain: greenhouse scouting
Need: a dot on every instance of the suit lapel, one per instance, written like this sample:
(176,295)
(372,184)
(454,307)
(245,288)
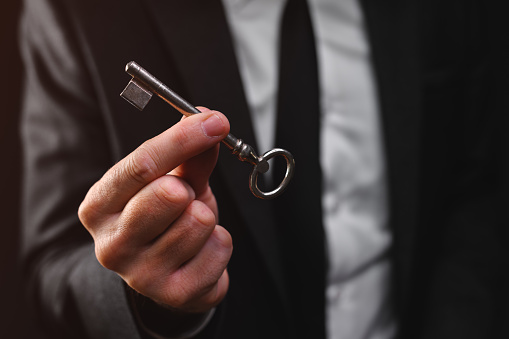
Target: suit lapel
(203,53)
(392,30)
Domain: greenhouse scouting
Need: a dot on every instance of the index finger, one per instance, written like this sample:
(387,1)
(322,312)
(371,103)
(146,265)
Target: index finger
(154,158)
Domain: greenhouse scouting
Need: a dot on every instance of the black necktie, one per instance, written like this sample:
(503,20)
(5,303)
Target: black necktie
(299,208)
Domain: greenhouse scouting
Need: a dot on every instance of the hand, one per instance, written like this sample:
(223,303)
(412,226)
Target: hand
(159,231)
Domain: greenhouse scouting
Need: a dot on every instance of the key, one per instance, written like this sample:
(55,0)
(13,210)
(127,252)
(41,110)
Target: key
(140,90)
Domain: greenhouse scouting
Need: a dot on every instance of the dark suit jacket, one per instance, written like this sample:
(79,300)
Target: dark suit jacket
(443,139)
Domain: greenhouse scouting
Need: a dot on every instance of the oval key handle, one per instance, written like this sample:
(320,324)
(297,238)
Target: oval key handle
(261,167)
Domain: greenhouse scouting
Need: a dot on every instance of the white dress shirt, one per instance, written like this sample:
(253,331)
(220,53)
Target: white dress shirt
(354,192)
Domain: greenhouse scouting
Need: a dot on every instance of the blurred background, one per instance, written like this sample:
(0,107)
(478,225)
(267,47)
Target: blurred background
(15,321)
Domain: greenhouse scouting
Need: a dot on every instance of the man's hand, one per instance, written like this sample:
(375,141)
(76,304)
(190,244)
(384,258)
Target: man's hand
(159,231)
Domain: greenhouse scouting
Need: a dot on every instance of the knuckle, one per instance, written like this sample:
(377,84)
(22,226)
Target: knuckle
(211,274)
(185,288)
(202,214)
(224,239)
(142,165)
(212,298)
(106,257)
(139,279)
(110,251)
(88,210)
(180,139)
(84,214)
(172,192)
(188,290)
(178,296)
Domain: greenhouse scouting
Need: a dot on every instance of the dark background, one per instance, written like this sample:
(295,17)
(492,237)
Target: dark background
(14,322)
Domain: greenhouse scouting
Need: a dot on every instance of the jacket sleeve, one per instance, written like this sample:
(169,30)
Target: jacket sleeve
(67,146)
(65,151)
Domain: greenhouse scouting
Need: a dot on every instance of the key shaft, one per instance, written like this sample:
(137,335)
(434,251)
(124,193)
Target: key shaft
(139,92)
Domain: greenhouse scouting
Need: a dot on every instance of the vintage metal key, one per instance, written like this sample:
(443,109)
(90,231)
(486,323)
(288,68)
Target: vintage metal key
(143,85)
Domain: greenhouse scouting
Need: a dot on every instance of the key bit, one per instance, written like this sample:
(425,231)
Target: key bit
(136,94)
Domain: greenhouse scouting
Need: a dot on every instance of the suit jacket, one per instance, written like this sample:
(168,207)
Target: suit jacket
(442,128)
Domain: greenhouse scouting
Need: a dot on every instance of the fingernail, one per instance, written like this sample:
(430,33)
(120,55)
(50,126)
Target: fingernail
(213,126)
